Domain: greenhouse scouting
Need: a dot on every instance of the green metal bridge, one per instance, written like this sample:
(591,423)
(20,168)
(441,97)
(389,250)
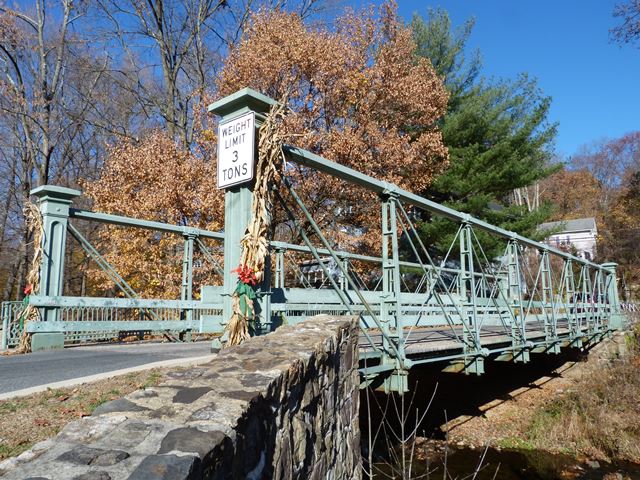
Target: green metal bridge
(461,311)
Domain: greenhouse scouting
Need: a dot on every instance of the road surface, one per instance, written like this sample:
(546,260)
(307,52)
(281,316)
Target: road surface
(18,372)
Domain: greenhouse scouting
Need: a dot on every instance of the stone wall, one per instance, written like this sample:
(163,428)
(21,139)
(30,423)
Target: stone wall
(281,406)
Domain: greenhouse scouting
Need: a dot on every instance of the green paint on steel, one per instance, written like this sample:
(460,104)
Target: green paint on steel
(479,310)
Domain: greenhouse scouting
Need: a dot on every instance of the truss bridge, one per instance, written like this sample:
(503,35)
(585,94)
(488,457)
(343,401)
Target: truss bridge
(488,295)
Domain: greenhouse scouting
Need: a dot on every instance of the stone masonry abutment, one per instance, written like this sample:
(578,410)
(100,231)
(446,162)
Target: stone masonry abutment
(280,406)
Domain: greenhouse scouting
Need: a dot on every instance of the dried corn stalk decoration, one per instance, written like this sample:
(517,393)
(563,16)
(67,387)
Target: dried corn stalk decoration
(255,243)
(29,313)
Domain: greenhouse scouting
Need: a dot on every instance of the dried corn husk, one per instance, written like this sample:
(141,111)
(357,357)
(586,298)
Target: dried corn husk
(29,313)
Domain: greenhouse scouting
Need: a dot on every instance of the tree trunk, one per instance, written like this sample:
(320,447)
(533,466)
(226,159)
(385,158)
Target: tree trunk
(5,215)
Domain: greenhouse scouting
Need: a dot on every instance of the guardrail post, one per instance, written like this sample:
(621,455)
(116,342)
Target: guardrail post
(54,205)
(343,278)
(279,270)
(4,344)
(238,198)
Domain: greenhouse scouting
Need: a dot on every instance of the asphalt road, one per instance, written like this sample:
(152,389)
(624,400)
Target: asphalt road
(40,368)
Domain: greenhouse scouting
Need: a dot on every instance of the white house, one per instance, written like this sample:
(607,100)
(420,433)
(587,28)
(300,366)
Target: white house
(579,234)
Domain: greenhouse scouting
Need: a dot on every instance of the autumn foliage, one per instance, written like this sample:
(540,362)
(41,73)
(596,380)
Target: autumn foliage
(603,181)
(573,193)
(358,95)
(155,179)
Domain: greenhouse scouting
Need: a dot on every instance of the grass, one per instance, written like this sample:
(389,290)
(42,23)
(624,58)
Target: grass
(152,379)
(10,407)
(7,451)
(600,417)
(516,443)
(28,420)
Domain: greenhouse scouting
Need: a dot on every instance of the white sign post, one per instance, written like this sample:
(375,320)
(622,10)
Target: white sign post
(236,140)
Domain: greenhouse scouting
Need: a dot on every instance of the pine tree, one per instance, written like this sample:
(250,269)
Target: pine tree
(497,132)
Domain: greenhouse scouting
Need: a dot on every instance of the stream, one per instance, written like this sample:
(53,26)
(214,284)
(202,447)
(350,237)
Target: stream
(502,464)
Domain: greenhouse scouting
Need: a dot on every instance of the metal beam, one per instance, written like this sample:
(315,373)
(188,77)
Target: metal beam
(42,301)
(306,158)
(144,224)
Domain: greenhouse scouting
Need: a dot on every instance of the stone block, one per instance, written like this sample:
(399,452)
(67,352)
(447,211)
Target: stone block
(283,406)
(47,341)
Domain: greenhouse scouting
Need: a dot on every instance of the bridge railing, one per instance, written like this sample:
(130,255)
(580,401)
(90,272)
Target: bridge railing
(531,298)
(98,318)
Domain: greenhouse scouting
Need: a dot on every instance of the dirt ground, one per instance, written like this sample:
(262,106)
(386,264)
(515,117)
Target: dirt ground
(505,422)
(27,420)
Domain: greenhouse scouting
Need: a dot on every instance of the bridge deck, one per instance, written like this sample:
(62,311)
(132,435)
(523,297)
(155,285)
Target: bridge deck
(432,341)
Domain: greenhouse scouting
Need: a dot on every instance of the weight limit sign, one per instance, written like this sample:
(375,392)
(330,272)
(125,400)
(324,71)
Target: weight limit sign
(236,140)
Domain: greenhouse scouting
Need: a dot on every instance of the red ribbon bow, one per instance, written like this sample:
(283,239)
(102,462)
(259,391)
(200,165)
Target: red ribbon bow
(246,275)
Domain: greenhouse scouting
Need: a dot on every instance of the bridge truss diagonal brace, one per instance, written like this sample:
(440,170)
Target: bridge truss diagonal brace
(394,362)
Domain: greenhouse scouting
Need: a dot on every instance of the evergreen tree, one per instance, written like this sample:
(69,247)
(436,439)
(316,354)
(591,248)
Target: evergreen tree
(497,132)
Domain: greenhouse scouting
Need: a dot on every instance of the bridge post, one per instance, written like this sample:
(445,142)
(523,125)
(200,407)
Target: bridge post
(54,205)
(238,198)
(600,297)
(548,304)
(468,296)
(187,278)
(518,327)
(617,319)
(587,299)
(571,304)
(390,305)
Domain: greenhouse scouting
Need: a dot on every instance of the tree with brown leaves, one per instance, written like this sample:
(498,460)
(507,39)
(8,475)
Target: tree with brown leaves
(573,194)
(358,95)
(155,179)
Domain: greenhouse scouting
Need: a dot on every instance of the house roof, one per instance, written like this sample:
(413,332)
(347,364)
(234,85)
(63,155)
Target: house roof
(577,225)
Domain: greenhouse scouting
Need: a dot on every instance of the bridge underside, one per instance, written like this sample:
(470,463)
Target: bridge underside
(441,344)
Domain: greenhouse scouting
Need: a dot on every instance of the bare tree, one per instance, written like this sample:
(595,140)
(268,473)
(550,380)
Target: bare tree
(528,196)
(49,97)
(165,46)
(76,76)
(629,30)
(608,160)
(170,50)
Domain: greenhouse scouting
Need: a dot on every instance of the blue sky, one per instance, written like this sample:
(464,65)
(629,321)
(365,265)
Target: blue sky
(595,84)
(564,44)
